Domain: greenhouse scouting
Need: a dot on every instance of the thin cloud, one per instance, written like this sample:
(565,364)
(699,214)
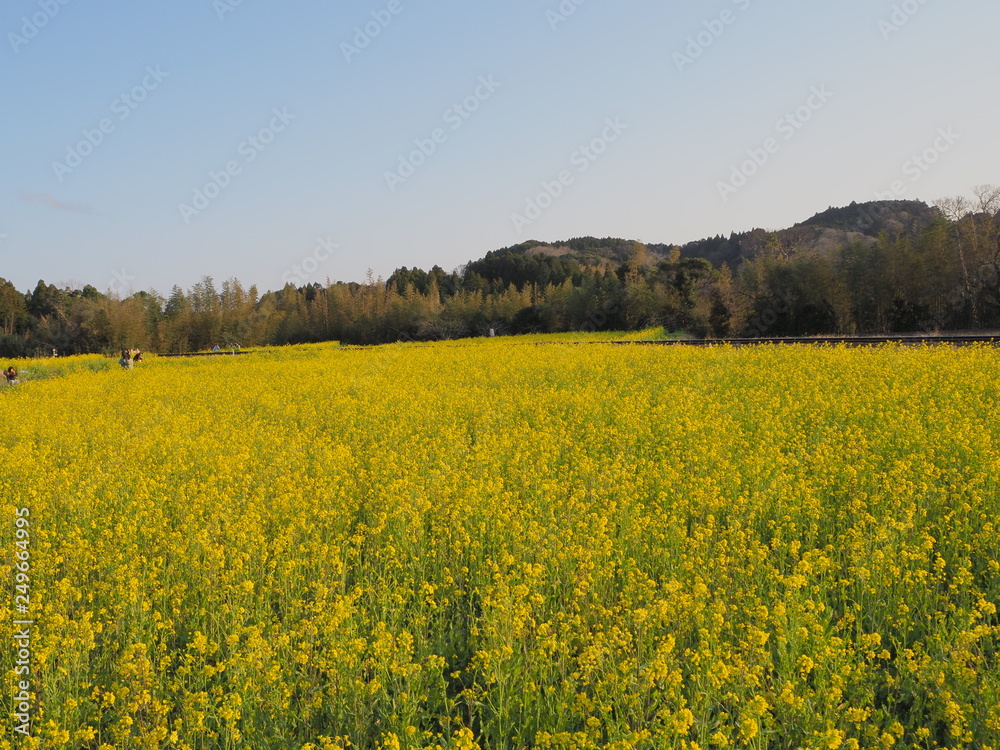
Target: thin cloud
(47,200)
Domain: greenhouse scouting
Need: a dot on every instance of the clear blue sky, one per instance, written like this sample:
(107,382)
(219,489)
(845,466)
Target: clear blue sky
(111,215)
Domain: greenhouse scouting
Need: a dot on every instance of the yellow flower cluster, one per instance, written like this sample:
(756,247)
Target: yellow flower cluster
(505,544)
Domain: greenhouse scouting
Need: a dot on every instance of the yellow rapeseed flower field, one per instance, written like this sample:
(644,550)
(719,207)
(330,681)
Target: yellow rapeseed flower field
(503,544)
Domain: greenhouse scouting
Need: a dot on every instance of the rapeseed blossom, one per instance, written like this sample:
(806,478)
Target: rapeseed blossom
(503,545)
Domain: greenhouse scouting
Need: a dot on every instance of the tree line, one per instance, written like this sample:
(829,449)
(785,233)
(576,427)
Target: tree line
(942,275)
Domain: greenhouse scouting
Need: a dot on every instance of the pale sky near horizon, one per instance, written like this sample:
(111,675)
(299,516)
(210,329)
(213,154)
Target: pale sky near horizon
(145,145)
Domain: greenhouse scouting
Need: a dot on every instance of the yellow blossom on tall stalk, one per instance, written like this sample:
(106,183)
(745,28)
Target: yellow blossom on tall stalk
(507,544)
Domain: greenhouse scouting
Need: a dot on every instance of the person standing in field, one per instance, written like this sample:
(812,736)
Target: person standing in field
(126,360)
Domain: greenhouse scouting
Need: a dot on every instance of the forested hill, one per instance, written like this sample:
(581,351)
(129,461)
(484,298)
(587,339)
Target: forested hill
(541,263)
(882,267)
(835,227)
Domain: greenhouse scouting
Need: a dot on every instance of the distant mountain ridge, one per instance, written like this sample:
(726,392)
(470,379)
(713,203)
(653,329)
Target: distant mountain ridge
(826,231)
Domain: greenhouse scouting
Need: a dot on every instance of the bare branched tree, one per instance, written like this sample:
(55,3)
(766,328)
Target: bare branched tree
(955,209)
(987,199)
